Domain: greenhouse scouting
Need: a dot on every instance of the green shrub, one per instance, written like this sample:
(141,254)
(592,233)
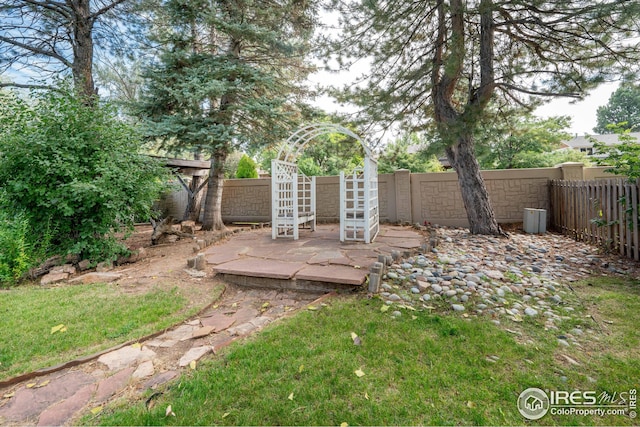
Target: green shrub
(74,169)
(246,168)
(15,256)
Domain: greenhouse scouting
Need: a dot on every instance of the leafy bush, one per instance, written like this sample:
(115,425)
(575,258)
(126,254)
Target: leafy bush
(75,169)
(529,159)
(623,157)
(15,257)
(246,168)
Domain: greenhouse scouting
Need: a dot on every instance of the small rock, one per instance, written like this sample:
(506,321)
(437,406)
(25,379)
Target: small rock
(426,297)
(530,312)
(195,353)
(457,307)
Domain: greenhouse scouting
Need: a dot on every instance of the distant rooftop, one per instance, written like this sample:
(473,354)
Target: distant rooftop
(583,142)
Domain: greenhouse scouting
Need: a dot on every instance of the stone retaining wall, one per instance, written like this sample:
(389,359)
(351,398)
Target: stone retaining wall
(404,196)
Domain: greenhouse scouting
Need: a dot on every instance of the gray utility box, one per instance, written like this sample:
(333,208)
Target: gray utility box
(535,221)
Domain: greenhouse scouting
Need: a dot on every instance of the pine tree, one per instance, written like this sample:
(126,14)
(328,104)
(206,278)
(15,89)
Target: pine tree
(440,64)
(228,77)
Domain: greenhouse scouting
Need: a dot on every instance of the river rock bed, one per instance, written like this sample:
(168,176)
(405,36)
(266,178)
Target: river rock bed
(523,276)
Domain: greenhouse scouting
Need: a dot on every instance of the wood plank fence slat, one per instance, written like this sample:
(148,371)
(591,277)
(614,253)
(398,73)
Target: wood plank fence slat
(592,211)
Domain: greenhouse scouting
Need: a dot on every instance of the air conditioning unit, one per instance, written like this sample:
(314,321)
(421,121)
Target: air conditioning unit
(535,221)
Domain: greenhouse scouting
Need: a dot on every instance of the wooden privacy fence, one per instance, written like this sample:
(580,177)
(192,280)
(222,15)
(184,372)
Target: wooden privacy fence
(603,212)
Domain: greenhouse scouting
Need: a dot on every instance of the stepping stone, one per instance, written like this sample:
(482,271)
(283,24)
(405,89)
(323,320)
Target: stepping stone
(126,356)
(243,329)
(160,379)
(202,332)
(181,333)
(145,369)
(259,322)
(219,322)
(195,353)
(113,384)
(161,343)
(244,314)
(30,402)
(60,413)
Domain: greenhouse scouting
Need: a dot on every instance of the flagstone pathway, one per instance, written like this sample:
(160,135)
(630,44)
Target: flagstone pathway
(61,397)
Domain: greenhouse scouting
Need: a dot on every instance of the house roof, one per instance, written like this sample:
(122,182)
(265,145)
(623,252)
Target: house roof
(584,142)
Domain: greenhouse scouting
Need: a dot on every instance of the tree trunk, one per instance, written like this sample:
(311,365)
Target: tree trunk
(194,203)
(213,202)
(83,49)
(474,192)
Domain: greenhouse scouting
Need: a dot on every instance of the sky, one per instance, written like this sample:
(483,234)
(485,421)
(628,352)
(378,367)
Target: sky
(582,113)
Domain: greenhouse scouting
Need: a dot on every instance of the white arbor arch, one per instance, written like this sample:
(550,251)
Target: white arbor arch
(294,196)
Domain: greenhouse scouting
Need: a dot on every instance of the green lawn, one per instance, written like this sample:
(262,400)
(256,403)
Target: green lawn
(94,317)
(422,368)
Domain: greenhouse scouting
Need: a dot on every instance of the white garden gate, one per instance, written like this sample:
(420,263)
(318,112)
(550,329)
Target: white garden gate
(294,194)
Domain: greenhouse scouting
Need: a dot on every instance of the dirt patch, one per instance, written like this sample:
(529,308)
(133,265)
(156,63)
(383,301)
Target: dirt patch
(165,265)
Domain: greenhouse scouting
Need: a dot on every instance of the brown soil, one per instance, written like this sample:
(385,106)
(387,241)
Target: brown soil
(165,265)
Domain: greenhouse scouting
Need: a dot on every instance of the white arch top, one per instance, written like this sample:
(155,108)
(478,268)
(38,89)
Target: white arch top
(294,145)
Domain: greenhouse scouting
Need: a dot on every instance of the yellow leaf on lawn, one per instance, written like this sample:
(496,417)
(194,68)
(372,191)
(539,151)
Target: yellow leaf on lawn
(31,385)
(343,424)
(300,369)
(192,364)
(384,308)
(225,415)
(354,335)
(312,308)
(366,395)
(290,396)
(9,395)
(63,329)
(136,345)
(96,410)
(169,411)
(359,373)
(471,404)
(56,328)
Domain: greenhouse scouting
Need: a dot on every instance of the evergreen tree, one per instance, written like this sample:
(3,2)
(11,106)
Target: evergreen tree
(50,37)
(246,168)
(227,78)
(440,63)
